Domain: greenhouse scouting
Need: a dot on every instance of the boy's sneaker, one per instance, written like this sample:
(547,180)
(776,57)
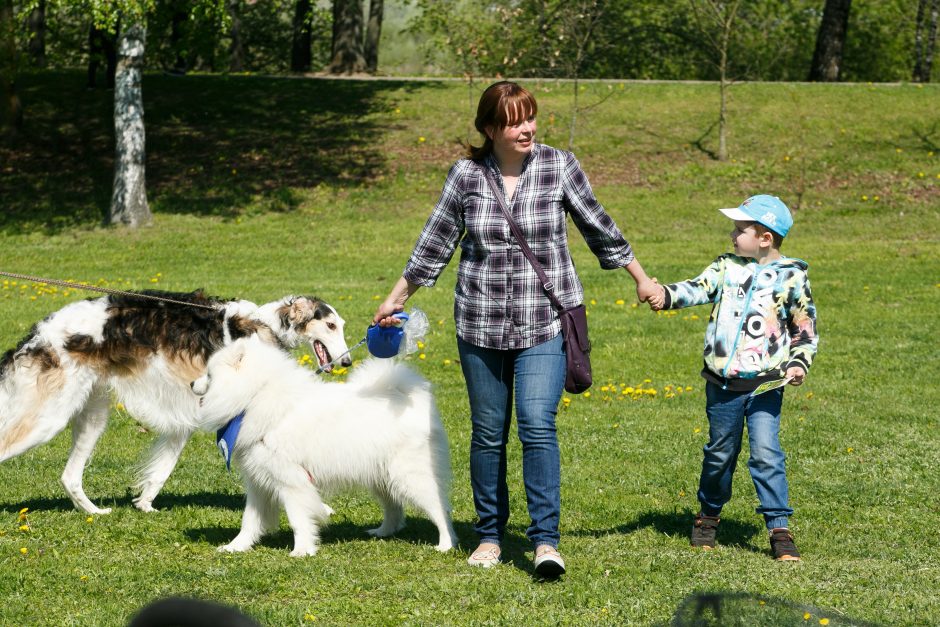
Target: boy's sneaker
(704,530)
(548,562)
(782,545)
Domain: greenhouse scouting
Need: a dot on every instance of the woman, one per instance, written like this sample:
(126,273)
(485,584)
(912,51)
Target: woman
(508,334)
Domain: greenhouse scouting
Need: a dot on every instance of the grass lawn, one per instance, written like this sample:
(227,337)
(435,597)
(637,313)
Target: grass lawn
(263,187)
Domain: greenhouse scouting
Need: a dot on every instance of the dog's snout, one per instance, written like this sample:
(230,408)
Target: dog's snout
(346,361)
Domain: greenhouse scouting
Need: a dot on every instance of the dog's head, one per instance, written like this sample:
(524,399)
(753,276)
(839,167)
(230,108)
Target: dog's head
(299,319)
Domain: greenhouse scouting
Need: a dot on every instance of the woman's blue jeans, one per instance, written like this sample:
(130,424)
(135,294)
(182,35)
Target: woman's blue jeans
(727,414)
(537,377)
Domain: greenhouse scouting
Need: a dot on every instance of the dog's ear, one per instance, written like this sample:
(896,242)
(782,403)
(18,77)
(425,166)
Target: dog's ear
(238,354)
(301,310)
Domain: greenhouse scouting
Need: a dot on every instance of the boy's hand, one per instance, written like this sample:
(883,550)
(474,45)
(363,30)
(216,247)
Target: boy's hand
(796,375)
(657,300)
(648,289)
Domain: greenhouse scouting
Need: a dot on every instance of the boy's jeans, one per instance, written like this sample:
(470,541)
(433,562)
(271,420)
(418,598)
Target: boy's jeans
(727,412)
(538,375)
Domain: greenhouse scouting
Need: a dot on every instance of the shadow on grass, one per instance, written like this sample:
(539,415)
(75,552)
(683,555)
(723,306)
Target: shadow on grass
(164,501)
(678,524)
(214,145)
(418,531)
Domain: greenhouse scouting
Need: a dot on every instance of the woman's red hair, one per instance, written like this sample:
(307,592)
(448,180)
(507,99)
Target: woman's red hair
(502,104)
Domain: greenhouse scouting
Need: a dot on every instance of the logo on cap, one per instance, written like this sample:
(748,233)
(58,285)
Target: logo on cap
(769,219)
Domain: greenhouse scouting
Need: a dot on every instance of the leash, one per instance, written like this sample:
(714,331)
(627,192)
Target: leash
(330,364)
(103,290)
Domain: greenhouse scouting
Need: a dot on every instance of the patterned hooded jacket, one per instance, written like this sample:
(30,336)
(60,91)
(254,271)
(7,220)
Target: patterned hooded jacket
(763,320)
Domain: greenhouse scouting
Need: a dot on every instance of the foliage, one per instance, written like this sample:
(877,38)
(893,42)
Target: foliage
(262,187)
(201,41)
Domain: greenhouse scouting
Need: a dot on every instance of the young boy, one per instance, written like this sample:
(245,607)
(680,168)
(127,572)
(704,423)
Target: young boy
(762,329)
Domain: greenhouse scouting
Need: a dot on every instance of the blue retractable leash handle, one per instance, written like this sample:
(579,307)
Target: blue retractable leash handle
(386,341)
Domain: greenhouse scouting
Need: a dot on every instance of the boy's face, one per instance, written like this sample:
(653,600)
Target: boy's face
(746,240)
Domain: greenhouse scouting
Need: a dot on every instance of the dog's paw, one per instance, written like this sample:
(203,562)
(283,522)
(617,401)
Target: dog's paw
(303,552)
(445,545)
(145,505)
(231,547)
(99,511)
(328,511)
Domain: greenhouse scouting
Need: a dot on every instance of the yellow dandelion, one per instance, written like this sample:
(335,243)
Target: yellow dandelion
(681,492)
(89,520)
(83,578)
(24,550)
(422,356)
(823,621)
(807,616)
(809,395)
(593,302)
(619,301)
(24,527)
(420,344)
(688,388)
(647,380)
(587,395)
(421,140)
(786,158)
(311,618)
(849,450)
(24,510)
(697,430)
(864,197)
(616,425)
(920,175)
(447,362)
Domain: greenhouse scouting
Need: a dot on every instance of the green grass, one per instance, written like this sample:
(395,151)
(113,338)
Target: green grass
(263,187)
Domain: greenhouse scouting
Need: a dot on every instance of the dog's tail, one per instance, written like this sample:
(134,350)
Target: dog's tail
(384,377)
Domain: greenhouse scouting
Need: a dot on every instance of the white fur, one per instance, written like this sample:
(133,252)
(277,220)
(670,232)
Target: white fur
(158,395)
(302,438)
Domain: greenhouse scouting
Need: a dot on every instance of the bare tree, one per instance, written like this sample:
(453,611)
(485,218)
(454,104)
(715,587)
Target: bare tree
(830,41)
(300,47)
(373,34)
(129,196)
(347,57)
(716,22)
(925,38)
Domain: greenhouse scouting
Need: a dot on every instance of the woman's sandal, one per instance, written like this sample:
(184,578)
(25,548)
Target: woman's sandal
(485,557)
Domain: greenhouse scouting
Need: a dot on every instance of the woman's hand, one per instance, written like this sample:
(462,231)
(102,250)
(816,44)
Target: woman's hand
(394,303)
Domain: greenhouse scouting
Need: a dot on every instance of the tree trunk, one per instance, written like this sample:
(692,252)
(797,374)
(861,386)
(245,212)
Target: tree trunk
(236,50)
(830,41)
(300,47)
(129,198)
(347,38)
(373,34)
(925,38)
(37,34)
(11,109)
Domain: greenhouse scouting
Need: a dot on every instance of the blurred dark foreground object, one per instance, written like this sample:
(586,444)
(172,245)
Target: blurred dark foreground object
(707,609)
(180,612)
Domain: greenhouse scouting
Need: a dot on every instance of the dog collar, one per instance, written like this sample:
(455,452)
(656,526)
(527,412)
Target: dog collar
(226,436)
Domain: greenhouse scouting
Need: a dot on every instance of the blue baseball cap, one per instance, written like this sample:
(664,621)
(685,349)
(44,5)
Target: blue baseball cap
(763,209)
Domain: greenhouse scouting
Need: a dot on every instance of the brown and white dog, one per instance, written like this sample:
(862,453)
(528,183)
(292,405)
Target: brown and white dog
(147,352)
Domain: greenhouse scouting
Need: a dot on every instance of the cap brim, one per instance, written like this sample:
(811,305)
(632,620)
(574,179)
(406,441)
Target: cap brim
(735,213)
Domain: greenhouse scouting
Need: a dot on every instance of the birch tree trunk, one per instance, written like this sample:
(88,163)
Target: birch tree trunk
(129,197)
(373,34)
(925,38)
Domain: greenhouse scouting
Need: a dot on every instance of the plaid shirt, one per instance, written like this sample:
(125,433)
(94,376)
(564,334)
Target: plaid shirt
(499,301)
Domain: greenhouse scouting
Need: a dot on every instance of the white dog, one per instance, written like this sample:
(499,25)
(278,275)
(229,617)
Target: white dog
(301,437)
(148,352)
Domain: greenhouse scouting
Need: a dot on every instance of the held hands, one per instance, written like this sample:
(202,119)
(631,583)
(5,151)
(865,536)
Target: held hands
(651,292)
(796,375)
